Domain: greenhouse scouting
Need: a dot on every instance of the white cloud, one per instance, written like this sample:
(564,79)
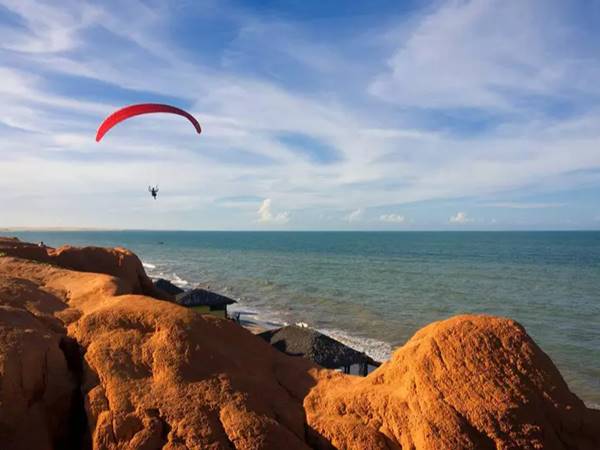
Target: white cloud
(265,215)
(385,160)
(47,29)
(392,218)
(460,218)
(485,54)
(354,216)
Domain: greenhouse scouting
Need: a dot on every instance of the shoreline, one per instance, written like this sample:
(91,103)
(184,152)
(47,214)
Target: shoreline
(249,321)
(259,319)
(273,284)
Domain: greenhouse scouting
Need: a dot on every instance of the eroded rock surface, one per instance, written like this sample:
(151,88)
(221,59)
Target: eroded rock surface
(86,361)
(118,262)
(468,382)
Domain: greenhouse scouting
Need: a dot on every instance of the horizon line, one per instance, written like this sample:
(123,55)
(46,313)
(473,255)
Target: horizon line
(432,230)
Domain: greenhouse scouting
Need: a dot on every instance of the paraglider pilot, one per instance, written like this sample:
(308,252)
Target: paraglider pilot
(153,191)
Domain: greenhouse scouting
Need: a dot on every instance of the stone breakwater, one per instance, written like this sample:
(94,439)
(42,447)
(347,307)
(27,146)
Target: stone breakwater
(92,356)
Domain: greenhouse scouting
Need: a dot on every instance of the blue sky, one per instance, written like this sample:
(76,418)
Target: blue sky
(379,115)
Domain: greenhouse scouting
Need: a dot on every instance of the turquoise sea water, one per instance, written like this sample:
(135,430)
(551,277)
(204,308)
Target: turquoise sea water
(375,289)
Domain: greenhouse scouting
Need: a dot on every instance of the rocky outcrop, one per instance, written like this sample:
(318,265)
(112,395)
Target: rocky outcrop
(86,361)
(151,374)
(118,262)
(37,385)
(468,382)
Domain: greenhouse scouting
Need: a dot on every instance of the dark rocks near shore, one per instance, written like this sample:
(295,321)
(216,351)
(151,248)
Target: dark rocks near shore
(167,286)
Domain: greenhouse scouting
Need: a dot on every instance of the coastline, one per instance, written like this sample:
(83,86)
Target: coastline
(387,286)
(262,319)
(258,321)
(174,375)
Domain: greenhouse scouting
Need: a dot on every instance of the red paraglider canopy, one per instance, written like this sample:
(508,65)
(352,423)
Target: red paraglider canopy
(143,108)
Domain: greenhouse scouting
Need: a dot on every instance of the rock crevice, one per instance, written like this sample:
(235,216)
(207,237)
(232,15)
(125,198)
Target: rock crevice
(77,432)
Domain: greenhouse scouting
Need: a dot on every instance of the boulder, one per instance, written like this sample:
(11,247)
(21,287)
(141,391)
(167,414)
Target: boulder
(469,382)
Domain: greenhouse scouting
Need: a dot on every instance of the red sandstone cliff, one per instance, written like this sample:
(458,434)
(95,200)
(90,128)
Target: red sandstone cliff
(118,262)
(87,361)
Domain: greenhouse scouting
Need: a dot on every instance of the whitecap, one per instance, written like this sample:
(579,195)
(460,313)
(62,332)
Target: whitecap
(178,281)
(376,349)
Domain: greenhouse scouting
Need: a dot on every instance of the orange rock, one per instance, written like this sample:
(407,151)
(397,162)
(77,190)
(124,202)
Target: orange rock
(85,359)
(118,262)
(36,386)
(467,382)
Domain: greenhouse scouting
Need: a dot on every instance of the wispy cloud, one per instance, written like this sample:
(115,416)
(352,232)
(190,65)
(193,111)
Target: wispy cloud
(459,99)
(517,205)
(45,28)
(488,54)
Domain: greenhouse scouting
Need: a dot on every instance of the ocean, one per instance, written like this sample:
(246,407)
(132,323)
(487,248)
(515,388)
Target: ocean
(373,290)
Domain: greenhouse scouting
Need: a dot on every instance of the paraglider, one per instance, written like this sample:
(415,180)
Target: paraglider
(137,110)
(153,191)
